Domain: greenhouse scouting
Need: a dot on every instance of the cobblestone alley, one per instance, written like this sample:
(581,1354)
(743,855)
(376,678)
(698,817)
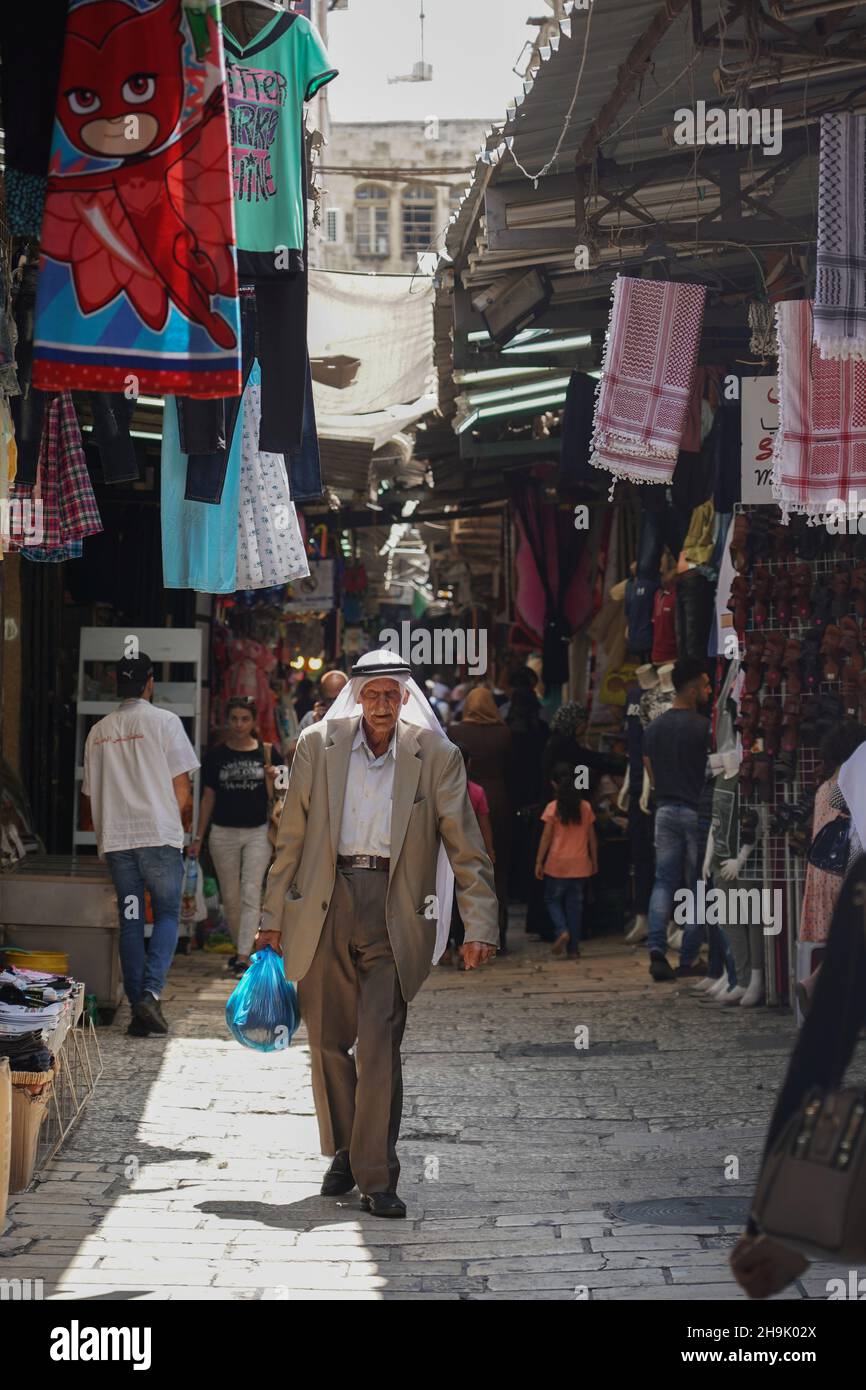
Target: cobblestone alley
(195,1170)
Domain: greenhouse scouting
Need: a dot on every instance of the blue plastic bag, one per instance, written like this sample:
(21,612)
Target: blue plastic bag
(262,1012)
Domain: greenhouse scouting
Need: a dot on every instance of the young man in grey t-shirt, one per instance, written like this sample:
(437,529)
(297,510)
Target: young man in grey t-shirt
(676,748)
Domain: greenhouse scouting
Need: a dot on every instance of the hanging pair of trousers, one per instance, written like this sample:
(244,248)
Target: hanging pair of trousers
(663,525)
(112,416)
(273,330)
(205,474)
(350,1000)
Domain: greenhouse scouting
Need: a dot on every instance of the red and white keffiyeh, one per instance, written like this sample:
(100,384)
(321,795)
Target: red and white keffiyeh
(649,367)
(819,451)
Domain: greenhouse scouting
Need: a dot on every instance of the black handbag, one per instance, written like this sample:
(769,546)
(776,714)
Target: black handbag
(829,849)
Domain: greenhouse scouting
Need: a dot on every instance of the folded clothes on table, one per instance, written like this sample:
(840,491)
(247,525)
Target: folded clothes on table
(26,1051)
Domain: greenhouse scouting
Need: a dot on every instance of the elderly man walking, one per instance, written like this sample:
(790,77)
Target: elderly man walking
(376,827)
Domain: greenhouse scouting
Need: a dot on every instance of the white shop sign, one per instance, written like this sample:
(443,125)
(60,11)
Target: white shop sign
(315,593)
(759,420)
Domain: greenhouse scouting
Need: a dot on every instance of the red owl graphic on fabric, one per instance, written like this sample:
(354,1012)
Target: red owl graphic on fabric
(139,206)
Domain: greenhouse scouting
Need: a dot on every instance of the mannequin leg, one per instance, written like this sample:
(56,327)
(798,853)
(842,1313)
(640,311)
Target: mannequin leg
(754,994)
(739,939)
(640,832)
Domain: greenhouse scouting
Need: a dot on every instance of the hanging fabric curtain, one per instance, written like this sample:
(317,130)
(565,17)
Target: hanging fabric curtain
(563,556)
(137,283)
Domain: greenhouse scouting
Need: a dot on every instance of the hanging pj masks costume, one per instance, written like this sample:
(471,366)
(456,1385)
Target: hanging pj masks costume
(138,273)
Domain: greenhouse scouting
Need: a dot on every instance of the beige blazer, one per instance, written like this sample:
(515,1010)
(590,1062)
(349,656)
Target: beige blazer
(430,803)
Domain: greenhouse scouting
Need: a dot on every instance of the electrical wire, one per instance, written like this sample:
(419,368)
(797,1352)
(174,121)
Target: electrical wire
(647,104)
(552,160)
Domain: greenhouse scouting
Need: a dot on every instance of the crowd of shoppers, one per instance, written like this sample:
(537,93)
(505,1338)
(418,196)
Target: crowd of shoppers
(544,829)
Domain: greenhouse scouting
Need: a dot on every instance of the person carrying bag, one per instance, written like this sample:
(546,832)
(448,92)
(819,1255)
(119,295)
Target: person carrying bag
(810,1200)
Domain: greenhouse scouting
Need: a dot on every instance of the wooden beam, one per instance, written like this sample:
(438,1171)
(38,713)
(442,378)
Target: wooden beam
(629,76)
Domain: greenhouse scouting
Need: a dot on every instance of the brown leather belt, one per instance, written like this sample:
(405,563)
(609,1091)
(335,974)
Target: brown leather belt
(363,861)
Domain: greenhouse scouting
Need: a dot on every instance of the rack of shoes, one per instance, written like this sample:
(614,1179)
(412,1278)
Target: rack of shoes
(799,605)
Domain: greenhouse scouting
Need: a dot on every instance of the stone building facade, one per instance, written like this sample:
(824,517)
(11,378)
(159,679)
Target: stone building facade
(389,189)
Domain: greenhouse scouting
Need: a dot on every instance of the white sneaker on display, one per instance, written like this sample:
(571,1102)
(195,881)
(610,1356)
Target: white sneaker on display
(754,994)
(732,996)
(718,987)
(705,985)
(640,930)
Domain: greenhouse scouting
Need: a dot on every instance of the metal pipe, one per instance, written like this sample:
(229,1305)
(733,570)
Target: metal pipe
(794,11)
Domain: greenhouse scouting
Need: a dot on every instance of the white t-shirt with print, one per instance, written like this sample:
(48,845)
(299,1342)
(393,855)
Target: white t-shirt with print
(130,759)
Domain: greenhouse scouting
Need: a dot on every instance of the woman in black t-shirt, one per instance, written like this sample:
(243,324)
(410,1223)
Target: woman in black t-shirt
(237,782)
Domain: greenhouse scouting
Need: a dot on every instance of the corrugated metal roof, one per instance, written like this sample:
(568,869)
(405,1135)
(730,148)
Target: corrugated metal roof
(676,77)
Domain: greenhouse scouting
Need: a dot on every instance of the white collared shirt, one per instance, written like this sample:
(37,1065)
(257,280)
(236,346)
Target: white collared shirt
(130,760)
(366,824)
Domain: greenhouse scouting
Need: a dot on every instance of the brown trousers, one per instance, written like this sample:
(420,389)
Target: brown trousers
(351,995)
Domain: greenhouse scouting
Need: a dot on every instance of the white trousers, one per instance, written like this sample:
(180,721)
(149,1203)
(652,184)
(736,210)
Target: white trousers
(241,858)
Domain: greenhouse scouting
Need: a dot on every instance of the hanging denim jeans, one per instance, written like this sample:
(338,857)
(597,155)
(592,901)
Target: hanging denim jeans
(639,598)
(112,414)
(303,465)
(661,524)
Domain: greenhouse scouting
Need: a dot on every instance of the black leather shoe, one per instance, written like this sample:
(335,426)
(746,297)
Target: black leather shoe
(660,968)
(338,1178)
(383,1204)
(147,1011)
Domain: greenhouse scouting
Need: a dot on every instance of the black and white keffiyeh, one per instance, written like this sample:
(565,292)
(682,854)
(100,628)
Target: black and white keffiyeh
(840,296)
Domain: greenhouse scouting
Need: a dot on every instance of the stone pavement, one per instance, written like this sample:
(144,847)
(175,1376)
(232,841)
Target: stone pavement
(194,1172)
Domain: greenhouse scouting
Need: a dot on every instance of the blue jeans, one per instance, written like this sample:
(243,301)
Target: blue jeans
(563,898)
(676,846)
(159,869)
(661,524)
(721,960)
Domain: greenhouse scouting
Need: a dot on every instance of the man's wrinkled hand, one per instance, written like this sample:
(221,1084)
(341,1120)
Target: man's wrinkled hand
(476,953)
(268,938)
(763,1268)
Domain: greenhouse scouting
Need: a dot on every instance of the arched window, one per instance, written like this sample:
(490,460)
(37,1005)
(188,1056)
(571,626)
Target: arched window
(372,220)
(419,217)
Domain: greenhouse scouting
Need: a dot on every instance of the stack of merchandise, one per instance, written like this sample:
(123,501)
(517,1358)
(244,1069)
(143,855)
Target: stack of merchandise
(35,1009)
(33,1005)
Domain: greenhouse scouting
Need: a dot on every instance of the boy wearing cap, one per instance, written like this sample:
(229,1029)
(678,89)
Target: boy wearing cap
(137,762)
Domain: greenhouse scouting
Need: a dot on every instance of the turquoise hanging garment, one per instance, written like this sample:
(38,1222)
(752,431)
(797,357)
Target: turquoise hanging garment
(199,540)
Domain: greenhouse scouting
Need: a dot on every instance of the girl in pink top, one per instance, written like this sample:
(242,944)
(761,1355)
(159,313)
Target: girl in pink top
(567,856)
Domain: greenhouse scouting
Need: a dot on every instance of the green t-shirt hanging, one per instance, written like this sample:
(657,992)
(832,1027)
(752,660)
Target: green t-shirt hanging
(267,82)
